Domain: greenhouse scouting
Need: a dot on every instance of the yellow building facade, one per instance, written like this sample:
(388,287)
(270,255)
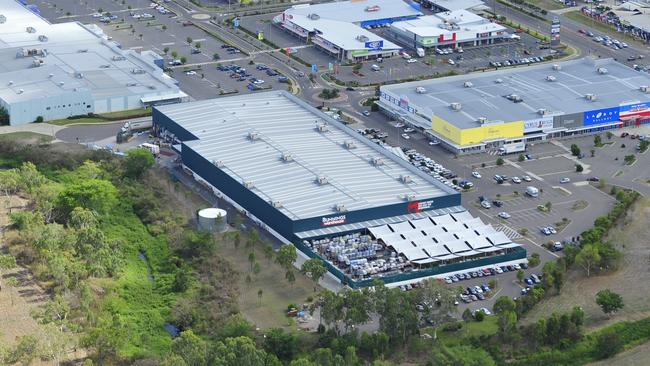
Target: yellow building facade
(476,135)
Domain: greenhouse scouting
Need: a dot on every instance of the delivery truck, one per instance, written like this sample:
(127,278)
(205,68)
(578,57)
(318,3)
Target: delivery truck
(420,51)
(532,191)
(512,148)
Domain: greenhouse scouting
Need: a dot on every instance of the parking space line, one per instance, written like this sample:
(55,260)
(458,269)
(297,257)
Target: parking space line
(168,43)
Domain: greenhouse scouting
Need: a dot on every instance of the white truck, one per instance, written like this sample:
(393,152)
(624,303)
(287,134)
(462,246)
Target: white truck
(154,149)
(512,148)
(420,51)
(532,191)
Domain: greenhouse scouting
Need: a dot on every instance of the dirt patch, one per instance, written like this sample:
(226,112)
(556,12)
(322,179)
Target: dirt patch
(632,280)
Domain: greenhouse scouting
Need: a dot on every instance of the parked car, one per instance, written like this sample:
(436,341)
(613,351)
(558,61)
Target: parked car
(485,204)
(497,203)
(526,178)
(504,215)
(476,175)
(366,113)
(516,180)
(565,180)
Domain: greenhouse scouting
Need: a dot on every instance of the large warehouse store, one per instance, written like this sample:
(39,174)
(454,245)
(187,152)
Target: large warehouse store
(339,28)
(314,182)
(66,69)
(481,111)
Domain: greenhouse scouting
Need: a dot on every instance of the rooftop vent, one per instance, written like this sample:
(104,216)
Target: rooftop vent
(550,78)
(10,82)
(362,38)
(590,97)
(322,127)
(349,145)
(406,179)
(42,38)
(468,84)
(410,197)
(249,184)
(20,91)
(31,30)
(557,67)
(499,81)
(313,16)
(218,163)
(322,180)
(340,207)
(118,58)
(481,120)
(253,136)
(645,89)
(137,71)
(50,76)
(276,204)
(38,62)
(376,161)
(456,106)
(542,111)
(602,70)
(61,83)
(83,50)
(3,19)
(287,157)
(79,75)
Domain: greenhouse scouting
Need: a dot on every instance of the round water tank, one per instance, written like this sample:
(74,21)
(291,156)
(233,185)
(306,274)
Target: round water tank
(212,219)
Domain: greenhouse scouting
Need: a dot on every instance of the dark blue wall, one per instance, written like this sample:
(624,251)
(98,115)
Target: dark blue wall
(161,120)
(376,212)
(236,191)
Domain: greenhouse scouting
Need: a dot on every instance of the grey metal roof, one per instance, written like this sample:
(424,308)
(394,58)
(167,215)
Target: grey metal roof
(456,4)
(286,125)
(486,97)
(355,11)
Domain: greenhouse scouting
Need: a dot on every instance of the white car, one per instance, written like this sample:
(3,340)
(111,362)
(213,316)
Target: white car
(516,180)
(411,61)
(504,215)
(409,130)
(451,62)
(485,204)
(476,175)
(485,311)
(97,15)
(565,180)
(406,136)
(526,178)
(434,142)
(190,72)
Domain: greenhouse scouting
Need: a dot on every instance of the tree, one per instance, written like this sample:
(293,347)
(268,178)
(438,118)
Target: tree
(503,304)
(94,194)
(609,135)
(260,293)
(575,150)
(500,161)
(521,157)
(165,50)
(331,308)
(191,348)
(290,275)
(183,59)
(439,302)
(215,56)
(268,252)
(7,262)
(39,119)
(588,258)
(507,326)
(164,28)
(579,168)
(138,162)
(188,40)
(598,140)
(238,351)
(520,275)
(357,306)
(467,315)
(280,343)
(197,45)
(25,350)
(629,159)
(314,268)
(251,260)
(174,54)
(608,344)
(592,152)
(286,256)
(609,301)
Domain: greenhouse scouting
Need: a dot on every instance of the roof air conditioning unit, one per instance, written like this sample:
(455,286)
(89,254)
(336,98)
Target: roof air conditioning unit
(10,82)
(481,120)
(249,184)
(78,75)
(276,204)
(286,157)
(323,127)
(349,145)
(362,38)
(3,19)
(468,84)
(20,91)
(31,30)
(602,70)
(377,161)
(61,83)
(410,197)
(137,71)
(253,136)
(557,67)
(313,16)
(131,84)
(645,89)
(118,58)
(406,179)
(322,180)
(542,111)
(456,106)
(499,81)
(218,163)
(42,38)
(341,207)
(590,97)
(550,78)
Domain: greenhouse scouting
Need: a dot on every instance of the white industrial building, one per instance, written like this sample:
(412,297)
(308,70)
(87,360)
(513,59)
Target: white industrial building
(61,70)
(339,28)
(448,29)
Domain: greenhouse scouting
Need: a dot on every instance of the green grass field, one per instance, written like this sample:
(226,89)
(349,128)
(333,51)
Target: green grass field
(25,136)
(470,329)
(604,28)
(104,118)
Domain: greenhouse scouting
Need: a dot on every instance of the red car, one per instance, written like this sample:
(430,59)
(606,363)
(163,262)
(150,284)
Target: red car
(582,31)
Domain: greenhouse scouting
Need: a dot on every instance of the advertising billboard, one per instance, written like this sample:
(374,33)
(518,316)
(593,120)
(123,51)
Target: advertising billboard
(476,135)
(417,206)
(538,124)
(635,112)
(374,45)
(601,116)
(569,121)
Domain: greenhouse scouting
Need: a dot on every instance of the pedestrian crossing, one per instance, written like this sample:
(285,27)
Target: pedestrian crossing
(492,152)
(510,233)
